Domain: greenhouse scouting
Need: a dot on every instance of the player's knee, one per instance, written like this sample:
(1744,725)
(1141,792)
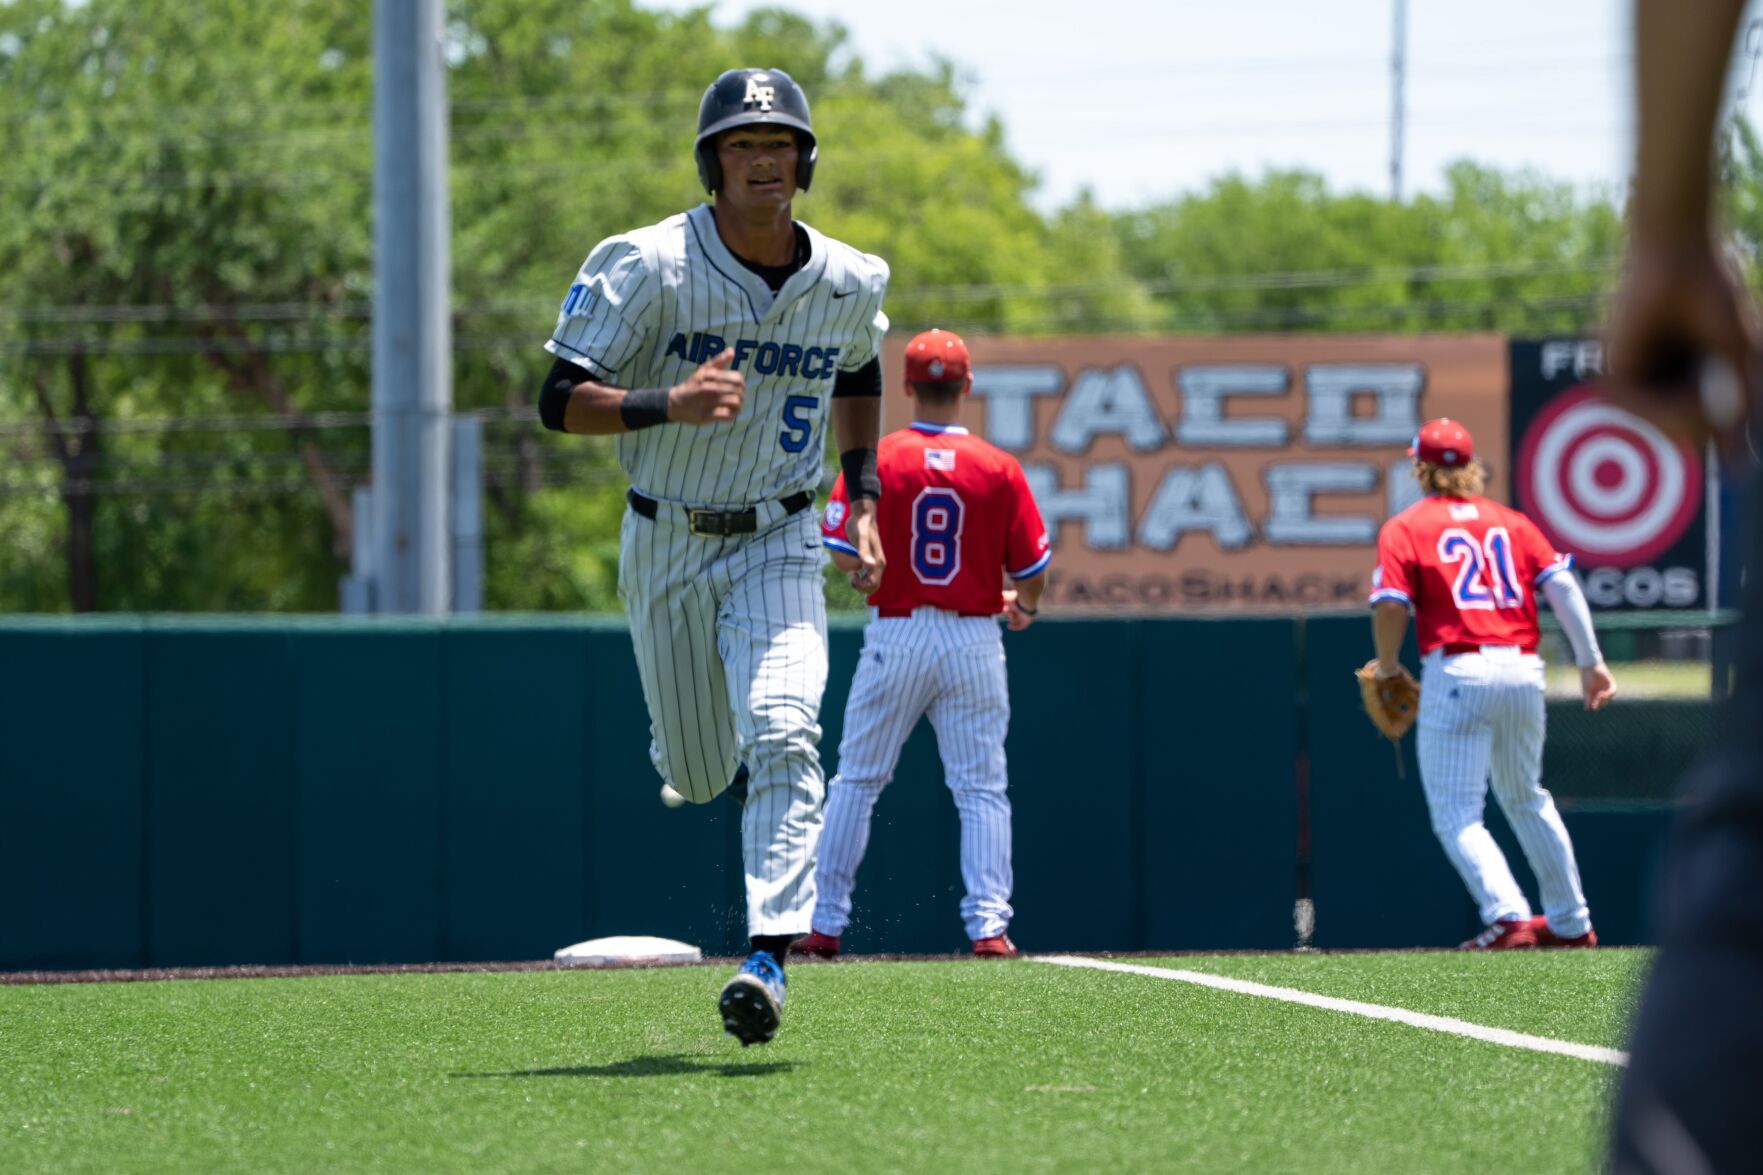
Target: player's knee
(785,719)
(980,787)
(1531,799)
(783,735)
(1450,824)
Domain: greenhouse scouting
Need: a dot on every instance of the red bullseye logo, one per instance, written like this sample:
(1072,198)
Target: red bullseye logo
(1606,485)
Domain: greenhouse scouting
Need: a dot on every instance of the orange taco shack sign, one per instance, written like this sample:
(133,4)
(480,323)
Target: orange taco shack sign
(1239,473)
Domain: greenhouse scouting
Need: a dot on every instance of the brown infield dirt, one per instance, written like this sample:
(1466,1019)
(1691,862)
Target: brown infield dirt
(155,974)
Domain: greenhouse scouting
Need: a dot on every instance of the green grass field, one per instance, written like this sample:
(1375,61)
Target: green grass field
(1638,679)
(934,1066)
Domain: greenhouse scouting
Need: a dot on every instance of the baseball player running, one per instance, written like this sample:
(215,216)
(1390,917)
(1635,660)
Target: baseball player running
(957,516)
(1470,569)
(716,345)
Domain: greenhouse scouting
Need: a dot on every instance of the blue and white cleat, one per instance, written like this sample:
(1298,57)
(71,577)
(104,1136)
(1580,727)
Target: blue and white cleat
(753,1001)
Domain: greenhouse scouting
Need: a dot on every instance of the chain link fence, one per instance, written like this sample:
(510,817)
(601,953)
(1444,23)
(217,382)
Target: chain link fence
(1672,669)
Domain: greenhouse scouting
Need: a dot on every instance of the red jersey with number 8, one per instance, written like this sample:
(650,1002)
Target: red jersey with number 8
(955,515)
(1469,567)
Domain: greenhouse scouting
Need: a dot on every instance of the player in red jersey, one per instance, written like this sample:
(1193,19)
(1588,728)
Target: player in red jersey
(956,517)
(1470,570)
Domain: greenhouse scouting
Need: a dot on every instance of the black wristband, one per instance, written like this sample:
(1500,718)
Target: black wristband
(861,479)
(1026,610)
(643,408)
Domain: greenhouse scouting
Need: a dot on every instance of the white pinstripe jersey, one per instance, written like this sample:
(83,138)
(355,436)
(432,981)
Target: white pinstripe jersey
(650,305)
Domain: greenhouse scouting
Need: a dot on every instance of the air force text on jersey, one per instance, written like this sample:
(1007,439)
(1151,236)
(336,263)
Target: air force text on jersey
(762,358)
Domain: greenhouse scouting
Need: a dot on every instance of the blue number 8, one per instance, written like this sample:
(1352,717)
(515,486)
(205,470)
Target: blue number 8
(936,535)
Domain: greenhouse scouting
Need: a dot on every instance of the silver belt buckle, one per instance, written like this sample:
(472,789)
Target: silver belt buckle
(706,523)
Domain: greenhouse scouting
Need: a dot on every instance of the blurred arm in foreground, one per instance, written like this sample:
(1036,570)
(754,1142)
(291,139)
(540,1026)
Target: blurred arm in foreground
(1688,1101)
(1681,304)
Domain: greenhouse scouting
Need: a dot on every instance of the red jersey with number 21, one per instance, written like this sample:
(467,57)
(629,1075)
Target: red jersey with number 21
(955,516)
(1469,567)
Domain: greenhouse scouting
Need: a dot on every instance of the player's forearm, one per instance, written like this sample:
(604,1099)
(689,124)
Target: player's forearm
(1682,54)
(1389,624)
(570,400)
(856,422)
(1029,591)
(596,409)
(1568,603)
(845,563)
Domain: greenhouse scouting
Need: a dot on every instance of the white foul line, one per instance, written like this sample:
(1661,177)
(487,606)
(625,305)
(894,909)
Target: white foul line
(1504,1036)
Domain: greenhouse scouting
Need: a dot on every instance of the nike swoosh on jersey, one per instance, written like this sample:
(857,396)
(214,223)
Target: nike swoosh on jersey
(843,293)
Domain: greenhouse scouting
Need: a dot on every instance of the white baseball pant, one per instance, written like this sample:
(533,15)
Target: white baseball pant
(1481,719)
(730,636)
(951,668)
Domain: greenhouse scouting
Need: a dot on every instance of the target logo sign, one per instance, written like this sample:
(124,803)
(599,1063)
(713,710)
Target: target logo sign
(1604,484)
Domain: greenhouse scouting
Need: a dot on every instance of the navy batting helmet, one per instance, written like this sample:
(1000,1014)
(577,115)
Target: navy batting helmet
(747,97)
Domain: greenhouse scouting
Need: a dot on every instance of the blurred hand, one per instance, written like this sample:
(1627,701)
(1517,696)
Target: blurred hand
(711,394)
(1014,617)
(865,535)
(1598,685)
(1682,341)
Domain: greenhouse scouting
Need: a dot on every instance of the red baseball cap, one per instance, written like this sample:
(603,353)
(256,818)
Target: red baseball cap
(936,356)
(1443,442)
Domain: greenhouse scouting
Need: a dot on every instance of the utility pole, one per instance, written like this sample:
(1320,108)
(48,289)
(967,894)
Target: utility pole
(412,332)
(1398,87)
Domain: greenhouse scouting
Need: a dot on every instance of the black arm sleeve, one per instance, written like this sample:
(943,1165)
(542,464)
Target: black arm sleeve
(865,381)
(554,392)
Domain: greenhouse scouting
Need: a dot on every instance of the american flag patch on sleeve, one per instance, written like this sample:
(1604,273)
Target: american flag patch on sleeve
(942,460)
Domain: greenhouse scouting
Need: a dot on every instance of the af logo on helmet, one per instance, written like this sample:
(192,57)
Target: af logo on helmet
(758,95)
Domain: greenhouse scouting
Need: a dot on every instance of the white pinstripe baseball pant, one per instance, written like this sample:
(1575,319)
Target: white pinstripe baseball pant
(951,668)
(730,636)
(1481,720)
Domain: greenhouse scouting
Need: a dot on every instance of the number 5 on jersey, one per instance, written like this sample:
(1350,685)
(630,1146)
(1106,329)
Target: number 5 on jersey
(798,428)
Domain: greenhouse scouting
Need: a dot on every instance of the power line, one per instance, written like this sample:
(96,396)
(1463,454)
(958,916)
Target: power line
(1140,121)
(1071,74)
(1580,306)
(313,311)
(239,422)
(467,343)
(283,486)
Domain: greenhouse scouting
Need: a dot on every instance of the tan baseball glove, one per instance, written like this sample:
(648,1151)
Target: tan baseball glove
(1392,704)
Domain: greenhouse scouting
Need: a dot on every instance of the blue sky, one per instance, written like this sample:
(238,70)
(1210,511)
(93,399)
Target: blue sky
(1139,99)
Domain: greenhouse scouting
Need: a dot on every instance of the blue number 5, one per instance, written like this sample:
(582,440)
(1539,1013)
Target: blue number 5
(795,438)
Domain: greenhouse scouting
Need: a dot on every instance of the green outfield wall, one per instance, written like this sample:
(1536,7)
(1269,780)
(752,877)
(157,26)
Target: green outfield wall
(184,792)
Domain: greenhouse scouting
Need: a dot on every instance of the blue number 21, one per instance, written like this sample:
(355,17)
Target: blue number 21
(795,436)
(1482,583)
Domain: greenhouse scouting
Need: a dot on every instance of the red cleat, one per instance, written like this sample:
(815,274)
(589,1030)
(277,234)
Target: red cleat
(998,946)
(825,946)
(1508,934)
(1539,926)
